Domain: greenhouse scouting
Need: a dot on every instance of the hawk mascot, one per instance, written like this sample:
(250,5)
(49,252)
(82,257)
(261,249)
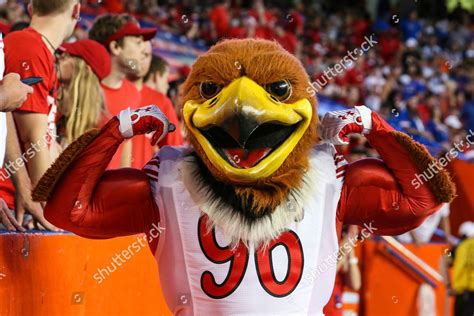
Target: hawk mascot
(252,210)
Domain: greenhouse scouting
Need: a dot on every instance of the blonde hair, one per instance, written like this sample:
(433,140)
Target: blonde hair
(86,102)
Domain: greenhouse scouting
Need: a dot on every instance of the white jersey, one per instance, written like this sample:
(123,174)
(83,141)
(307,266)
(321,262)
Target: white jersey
(201,274)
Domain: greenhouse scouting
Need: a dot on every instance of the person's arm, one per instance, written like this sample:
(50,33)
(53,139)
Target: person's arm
(445,263)
(88,200)
(389,194)
(446,227)
(354,279)
(21,180)
(32,131)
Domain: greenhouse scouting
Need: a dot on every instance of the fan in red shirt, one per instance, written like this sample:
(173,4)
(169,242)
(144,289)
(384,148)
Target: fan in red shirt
(124,39)
(155,71)
(286,39)
(220,18)
(30,53)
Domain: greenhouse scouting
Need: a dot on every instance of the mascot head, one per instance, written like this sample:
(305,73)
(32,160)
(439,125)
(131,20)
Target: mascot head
(251,120)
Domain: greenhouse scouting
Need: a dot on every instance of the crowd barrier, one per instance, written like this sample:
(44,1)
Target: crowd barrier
(53,274)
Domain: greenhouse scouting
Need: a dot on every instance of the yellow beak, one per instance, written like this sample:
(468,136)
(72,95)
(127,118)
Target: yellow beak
(244,115)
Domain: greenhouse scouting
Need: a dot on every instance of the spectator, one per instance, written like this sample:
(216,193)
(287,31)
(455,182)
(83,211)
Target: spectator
(468,112)
(157,76)
(411,27)
(12,94)
(30,52)
(37,115)
(436,127)
(142,150)
(220,18)
(462,260)
(82,66)
(124,39)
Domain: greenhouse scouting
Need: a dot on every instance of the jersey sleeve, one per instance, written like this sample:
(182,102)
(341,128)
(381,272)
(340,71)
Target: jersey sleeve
(92,202)
(384,193)
(29,61)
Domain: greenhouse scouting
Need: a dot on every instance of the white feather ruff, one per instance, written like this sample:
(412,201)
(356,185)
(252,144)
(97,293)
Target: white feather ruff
(261,231)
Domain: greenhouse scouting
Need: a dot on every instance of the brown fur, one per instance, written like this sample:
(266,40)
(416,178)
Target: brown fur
(264,62)
(441,184)
(45,186)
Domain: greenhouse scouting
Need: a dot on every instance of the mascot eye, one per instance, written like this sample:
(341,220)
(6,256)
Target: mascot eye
(209,89)
(280,90)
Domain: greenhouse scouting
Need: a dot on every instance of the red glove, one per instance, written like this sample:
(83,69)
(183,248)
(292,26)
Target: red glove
(336,125)
(143,121)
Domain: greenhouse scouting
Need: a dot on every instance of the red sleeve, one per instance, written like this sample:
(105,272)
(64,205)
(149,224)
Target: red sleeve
(95,203)
(24,56)
(380,193)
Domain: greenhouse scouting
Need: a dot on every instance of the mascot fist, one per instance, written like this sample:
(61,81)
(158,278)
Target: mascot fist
(336,125)
(145,120)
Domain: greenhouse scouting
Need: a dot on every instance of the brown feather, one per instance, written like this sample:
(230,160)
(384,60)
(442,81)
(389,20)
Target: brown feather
(441,185)
(45,186)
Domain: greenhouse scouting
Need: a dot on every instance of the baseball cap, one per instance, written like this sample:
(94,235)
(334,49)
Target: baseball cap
(411,42)
(132,29)
(453,122)
(467,229)
(93,53)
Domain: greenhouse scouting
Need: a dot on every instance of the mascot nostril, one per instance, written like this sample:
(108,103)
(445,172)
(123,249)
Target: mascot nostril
(257,174)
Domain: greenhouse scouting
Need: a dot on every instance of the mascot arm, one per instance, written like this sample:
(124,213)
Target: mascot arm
(387,193)
(88,200)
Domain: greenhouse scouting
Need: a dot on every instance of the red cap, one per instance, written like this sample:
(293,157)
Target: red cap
(132,29)
(93,53)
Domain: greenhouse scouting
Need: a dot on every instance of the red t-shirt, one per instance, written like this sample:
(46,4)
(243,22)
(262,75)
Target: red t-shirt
(116,100)
(27,54)
(142,151)
(288,41)
(237,32)
(389,46)
(114,6)
(219,16)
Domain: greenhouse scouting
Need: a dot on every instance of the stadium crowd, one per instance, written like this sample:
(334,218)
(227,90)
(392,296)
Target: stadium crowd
(417,72)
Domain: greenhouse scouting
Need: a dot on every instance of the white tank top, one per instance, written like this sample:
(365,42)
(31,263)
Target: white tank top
(201,274)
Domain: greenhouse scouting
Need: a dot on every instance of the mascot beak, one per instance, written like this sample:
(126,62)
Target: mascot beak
(245,131)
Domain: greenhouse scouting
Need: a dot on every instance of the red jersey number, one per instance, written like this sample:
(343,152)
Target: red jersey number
(239,257)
